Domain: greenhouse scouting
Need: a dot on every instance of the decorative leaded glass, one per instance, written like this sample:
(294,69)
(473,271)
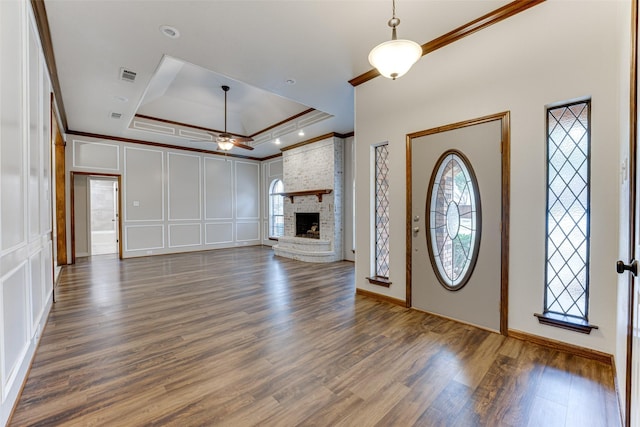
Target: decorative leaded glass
(276,209)
(567,240)
(453,212)
(382,211)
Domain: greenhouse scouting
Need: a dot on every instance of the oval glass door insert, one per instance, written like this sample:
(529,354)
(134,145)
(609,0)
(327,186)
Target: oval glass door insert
(454,218)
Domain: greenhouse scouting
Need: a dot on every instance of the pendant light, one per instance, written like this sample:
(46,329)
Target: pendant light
(224,139)
(395,57)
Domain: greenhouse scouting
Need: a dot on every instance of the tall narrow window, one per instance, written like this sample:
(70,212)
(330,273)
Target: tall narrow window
(568,210)
(381,215)
(276,209)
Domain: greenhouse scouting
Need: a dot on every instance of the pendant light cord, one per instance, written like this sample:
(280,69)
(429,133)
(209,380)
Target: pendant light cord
(393,22)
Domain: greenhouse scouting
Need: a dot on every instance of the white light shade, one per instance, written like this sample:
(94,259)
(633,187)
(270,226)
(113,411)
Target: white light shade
(225,145)
(394,58)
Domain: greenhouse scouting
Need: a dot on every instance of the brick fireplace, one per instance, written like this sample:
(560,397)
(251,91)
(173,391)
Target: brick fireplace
(314,172)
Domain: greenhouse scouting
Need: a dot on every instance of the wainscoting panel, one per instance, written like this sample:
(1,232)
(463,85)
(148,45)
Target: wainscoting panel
(144,237)
(15,320)
(184,186)
(247,231)
(221,232)
(37,292)
(218,186)
(144,183)
(182,235)
(96,155)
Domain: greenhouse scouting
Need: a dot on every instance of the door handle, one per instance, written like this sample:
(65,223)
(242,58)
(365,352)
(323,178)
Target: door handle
(621,267)
(416,229)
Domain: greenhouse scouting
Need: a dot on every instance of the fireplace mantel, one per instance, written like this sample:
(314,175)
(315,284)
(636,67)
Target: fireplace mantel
(317,193)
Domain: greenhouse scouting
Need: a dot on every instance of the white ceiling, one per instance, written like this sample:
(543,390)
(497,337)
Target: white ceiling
(252,46)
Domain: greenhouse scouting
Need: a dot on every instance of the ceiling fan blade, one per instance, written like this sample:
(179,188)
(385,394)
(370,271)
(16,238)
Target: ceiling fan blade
(241,145)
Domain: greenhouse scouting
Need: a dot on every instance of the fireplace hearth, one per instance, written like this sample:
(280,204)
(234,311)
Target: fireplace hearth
(308,225)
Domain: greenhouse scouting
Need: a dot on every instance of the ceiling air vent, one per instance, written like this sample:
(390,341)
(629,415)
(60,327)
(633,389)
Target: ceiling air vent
(116,115)
(127,75)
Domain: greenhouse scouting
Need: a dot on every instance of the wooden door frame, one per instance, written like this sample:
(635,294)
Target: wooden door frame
(504,118)
(72,208)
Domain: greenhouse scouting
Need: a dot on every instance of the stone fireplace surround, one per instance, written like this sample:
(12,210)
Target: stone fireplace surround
(316,171)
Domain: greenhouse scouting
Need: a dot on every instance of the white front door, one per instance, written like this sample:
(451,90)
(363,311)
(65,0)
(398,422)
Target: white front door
(456,211)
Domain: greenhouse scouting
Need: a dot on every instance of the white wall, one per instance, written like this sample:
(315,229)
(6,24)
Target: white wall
(26,266)
(553,52)
(175,200)
(348,207)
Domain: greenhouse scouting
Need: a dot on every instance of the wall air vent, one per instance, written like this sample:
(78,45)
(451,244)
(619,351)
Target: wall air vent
(115,115)
(127,75)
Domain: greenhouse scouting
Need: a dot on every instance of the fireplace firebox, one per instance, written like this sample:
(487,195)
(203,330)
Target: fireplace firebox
(308,225)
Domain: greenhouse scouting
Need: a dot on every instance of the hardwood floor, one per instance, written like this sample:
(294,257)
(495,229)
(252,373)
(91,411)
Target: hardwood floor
(239,337)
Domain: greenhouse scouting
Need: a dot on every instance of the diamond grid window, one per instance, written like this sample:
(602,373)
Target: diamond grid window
(382,211)
(567,239)
(276,209)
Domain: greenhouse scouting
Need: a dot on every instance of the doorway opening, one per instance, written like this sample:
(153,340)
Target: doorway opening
(103,216)
(95,219)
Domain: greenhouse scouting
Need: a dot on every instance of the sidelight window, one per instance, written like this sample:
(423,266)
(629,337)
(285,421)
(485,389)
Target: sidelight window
(566,295)
(381,215)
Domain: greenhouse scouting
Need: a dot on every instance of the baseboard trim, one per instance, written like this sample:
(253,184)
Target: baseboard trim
(381,297)
(562,346)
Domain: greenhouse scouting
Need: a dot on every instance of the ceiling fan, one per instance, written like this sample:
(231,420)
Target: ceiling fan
(227,141)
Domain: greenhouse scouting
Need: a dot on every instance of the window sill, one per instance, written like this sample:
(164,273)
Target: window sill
(565,322)
(380,281)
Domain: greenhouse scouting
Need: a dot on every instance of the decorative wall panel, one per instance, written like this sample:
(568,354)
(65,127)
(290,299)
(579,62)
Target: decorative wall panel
(247,190)
(15,320)
(34,138)
(181,235)
(37,295)
(12,181)
(144,184)
(221,232)
(184,186)
(247,231)
(96,155)
(144,237)
(218,188)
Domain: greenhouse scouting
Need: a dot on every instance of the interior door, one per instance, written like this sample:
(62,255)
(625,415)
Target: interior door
(443,237)
(632,386)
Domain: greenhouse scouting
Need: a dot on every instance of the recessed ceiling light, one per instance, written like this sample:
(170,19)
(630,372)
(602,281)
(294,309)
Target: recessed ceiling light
(290,82)
(169,31)
(277,141)
(121,98)
(301,133)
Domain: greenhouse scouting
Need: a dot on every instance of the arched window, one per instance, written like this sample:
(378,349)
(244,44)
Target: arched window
(276,209)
